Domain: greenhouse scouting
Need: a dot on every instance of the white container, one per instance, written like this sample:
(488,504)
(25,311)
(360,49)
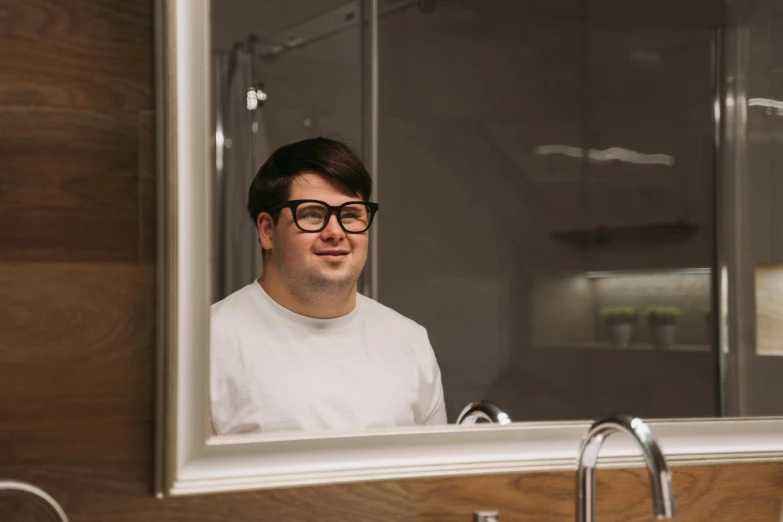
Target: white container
(621,334)
(662,335)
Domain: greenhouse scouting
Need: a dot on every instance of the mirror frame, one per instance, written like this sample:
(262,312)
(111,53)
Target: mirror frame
(191,461)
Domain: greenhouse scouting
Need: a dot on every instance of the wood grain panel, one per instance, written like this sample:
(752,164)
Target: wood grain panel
(75,76)
(68,185)
(701,493)
(78,342)
(77,53)
(148,226)
(14,508)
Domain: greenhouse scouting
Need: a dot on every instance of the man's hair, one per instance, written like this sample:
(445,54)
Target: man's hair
(327,157)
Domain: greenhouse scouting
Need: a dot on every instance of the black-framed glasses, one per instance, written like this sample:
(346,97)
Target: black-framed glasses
(312,215)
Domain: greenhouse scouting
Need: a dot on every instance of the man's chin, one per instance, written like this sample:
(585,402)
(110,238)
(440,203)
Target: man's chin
(341,277)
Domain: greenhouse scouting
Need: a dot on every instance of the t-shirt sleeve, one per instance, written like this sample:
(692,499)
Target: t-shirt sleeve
(232,405)
(432,404)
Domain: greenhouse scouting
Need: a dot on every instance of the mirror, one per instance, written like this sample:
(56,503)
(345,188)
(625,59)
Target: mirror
(561,254)
(554,232)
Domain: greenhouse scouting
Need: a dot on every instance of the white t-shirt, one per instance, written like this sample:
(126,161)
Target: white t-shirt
(273,370)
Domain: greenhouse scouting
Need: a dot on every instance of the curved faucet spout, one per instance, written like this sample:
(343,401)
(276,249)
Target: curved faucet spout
(483,411)
(36,494)
(660,476)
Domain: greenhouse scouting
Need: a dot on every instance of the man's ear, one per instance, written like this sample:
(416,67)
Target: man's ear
(266,230)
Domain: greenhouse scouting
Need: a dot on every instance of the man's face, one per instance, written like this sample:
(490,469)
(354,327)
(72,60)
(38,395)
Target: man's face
(316,261)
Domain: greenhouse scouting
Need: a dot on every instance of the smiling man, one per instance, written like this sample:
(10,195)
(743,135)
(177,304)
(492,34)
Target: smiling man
(300,349)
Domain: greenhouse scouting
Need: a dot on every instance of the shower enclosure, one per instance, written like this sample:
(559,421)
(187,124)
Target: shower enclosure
(241,147)
(311,78)
(554,184)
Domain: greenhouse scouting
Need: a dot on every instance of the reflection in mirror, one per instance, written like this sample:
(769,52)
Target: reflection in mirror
(282,72)
(294,347)
(299,349)
(562,255)
(548,237)
(482,412)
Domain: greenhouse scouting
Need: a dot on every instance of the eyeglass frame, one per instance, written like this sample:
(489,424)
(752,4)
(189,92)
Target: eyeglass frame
(330,209)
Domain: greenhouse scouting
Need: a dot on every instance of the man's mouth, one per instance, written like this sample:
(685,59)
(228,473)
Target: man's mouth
(332,253)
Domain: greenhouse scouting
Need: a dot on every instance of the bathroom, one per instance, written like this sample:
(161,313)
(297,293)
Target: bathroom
(592,179)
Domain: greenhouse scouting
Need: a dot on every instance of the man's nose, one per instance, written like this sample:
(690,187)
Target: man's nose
(333,228)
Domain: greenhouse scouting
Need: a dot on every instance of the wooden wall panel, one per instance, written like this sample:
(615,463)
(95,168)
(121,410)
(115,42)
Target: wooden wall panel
(69,185)
(701,493)
(77,311)
(75,76)
(77,343)
(91,54)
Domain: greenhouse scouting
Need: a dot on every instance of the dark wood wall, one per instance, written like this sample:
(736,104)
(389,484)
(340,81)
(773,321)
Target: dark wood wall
(77,310)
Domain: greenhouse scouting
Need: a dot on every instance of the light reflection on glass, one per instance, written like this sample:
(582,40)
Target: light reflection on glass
(610,154)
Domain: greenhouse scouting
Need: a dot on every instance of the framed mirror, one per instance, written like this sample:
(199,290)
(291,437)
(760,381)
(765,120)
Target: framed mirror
(562,236)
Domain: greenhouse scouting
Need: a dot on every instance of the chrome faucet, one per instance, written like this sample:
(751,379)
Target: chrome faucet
(39,496)
(660,476)
(485,411)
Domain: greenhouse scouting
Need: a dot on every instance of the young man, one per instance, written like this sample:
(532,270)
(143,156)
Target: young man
(300,349)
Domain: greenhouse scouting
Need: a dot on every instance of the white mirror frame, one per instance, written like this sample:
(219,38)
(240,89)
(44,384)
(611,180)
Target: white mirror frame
(190,461)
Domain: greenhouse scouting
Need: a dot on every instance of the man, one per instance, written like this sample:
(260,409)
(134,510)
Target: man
(299,349)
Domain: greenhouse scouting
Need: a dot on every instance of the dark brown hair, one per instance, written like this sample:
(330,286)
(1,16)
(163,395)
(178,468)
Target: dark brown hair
(324,156)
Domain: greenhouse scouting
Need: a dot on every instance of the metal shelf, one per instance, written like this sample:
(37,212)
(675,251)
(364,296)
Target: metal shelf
(627,235)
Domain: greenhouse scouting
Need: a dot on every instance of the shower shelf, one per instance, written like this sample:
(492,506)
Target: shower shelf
(627,235)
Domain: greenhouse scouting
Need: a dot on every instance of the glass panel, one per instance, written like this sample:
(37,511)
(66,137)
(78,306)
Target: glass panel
(537,171)
(755,62)
(650,181)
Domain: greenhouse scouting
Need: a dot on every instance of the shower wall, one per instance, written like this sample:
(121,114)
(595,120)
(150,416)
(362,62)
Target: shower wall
(498,126)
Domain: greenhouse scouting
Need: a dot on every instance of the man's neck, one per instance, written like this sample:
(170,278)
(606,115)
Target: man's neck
(323,305)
